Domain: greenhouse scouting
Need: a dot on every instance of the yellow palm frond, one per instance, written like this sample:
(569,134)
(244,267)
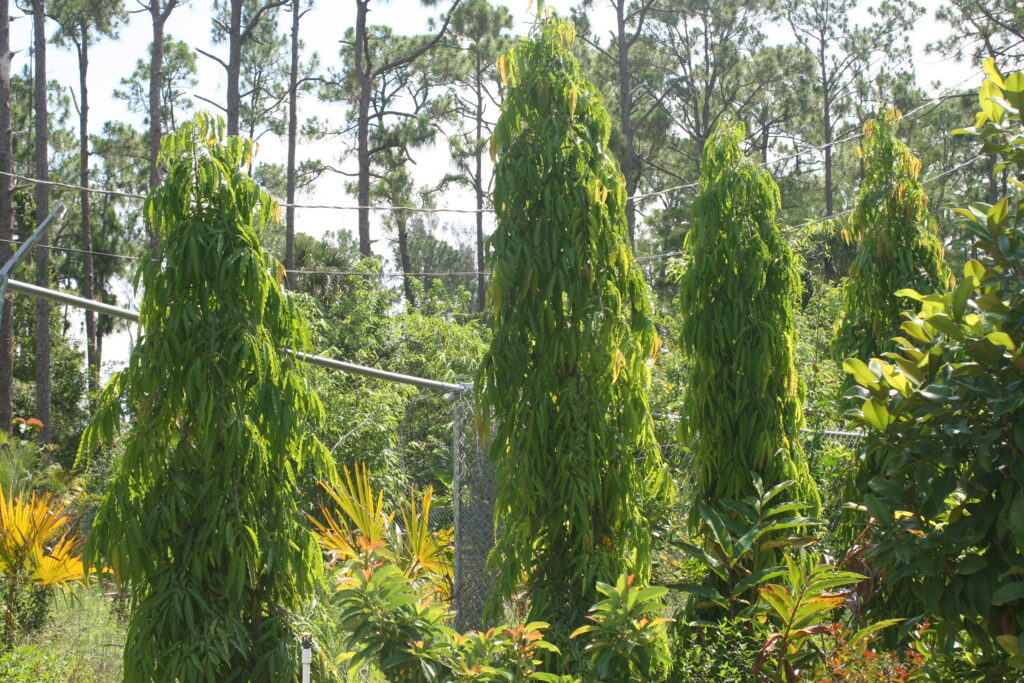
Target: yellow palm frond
(423,553)
(361,514)
(60,567)
(25,525)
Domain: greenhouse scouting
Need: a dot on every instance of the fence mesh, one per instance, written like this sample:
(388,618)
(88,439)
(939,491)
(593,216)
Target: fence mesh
(473,493)
(473,504)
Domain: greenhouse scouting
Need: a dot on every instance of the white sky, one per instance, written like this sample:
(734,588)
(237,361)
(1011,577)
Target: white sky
(321,30)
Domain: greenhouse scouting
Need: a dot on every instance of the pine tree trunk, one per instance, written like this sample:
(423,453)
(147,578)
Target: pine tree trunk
(156,74)
(42,199)
(363,128)
(625,118)
(88,285)
(293,126)
(234,66)
(401,222)
(827,133)
(478,182)
(6,216)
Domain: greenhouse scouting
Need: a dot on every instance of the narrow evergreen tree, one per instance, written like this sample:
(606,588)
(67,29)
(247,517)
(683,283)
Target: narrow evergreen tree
(742,410)
(202,519)
(567,374)
(898,247)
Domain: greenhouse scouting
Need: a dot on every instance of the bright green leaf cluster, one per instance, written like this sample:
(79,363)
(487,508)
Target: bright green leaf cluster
(741,538)
(742,411)
(567,374)
(627,639)
(202,521)
(803,610)
(946,410)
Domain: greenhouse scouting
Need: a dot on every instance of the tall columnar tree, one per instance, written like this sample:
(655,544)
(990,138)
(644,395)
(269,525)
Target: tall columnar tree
(202,520)
(898,247)
(739,287)
(566,378)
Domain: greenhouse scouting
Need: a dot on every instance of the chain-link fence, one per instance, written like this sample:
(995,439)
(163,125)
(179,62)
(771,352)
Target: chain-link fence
(473,493)
(473,503)
(832,456)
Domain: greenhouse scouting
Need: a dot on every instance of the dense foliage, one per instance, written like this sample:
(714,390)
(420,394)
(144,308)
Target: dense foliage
(896,241)
(946,410)
(202,520)
(738,290)
(566,376)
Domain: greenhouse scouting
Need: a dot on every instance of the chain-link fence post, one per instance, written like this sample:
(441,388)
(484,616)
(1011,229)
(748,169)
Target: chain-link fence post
(473,497)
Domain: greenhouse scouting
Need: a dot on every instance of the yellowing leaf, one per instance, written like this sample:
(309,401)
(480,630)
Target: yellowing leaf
(860,371)
(617,364)
(973,268)
(503,69)
(876,414)
(1001,339)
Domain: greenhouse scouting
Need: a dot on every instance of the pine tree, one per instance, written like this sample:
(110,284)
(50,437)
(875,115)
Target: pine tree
(742,411)
(202,520)
(567,374)
(897,244)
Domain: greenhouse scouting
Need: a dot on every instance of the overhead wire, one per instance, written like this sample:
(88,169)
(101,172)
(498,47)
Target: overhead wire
(474,273)
(935,101)
(417,209)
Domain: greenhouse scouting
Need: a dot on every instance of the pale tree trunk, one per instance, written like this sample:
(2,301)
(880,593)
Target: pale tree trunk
(625,116)
(293,126)
(826,130)
(234,67)
(42,199)
(478,182)
(364,83)
(159,10)
(156,73)
(6,216)
(88,285)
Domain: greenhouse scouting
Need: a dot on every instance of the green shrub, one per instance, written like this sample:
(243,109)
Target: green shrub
(34,664)
(724,652)
(946,414)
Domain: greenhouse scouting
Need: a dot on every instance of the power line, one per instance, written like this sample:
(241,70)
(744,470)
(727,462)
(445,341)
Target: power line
(474,273)
(464,273)
(415,209)
(337,207)
(54,247)
(848,138)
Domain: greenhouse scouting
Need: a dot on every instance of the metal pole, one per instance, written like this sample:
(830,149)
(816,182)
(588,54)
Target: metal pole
(72,300)
(322,361)
(9,267)
(307,655)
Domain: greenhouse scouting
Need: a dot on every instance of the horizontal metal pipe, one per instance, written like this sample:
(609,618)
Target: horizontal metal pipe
(365,371)
(322,361)
(72,300)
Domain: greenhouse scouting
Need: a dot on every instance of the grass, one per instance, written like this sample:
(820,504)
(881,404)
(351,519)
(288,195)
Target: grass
(80,642)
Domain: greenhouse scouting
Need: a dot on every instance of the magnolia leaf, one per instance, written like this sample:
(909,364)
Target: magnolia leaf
(1008,593)
(860,372)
